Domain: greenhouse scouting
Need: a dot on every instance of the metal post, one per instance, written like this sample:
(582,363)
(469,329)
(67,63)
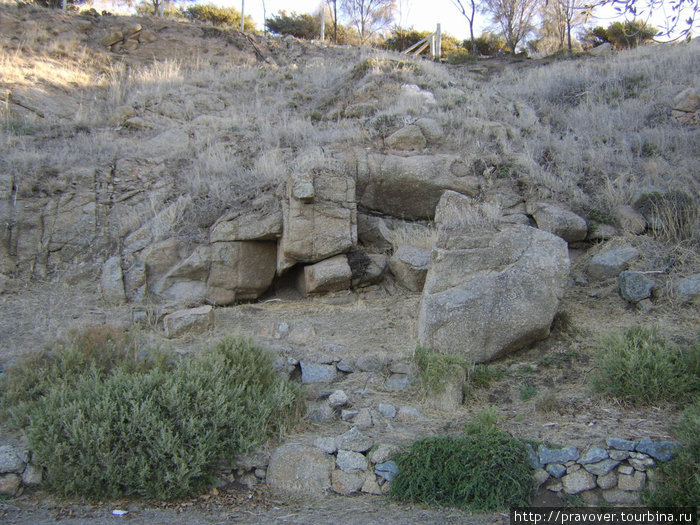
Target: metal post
(242,16)
(63,5)
(323,22)
(438,43)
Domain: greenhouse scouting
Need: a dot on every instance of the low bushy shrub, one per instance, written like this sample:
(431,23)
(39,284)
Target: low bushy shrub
(639,366)
(484,471)
(679,484)
(156,432)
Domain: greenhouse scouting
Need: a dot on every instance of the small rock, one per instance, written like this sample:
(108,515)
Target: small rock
(625,470)
(561,455)
(363,419)
(10,460)
(602,50)
(601,468)
(633,482)
(315,373)
(370,486)
(556,470)
(348,461)
(388,411)
(347,415)
(621,444)
(619,455)
(299,471)
(320,412)
(401,367)
(370,363)
(594,455)
(386,470)
(9,484)
(398,381)
(431,129)
(32,475)
(642,464)
(611,262)
(558,221)
(635,286)
(607,481)
(354,440)
(659,450)
(688,289)
(621,497)
(408,414)
(346,483)
(338,399)
(382,453)
(345,366)
(578,481)
(554,486)
(327,444)
(329,275)
(540,476)
(193,320)
(574,467)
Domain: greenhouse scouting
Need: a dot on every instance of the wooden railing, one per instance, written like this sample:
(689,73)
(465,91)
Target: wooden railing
(432,41)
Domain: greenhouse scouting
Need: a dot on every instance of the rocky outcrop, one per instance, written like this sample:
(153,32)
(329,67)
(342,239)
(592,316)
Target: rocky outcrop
(192,320)
(490,289)
(410,187)
(330,275)
(319,218)
(410,266)
(558,221)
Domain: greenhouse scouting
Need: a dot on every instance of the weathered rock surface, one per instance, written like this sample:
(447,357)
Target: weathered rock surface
(489,290)
(410,267)
(299,471)
(558,221)
(409,187)
(630,220)
(112,281)
(192,320)
(578,481)
(347,483)
(330,275)
(319,218)
(635,286)
(688,289)
(407,138)
(9,460)
(259,219)
(239,270)
(610,263)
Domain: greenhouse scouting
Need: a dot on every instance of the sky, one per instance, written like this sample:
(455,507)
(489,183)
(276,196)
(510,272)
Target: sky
(423,15)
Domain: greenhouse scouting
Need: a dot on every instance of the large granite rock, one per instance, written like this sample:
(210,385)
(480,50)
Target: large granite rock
(410,266)
(331,275)
(240,270)
(490,289)
(320,218)
(558,221)
(259,219)
(410,187)
(299,471)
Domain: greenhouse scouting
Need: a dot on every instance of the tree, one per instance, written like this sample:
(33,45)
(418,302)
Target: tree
(369,16)
(682,16)
(559,17)
(334,15)
(301,26)
(622,35)
(468,10)
(218,16)
(514,18)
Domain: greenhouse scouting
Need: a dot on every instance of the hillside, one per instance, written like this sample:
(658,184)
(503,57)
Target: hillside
(182,156)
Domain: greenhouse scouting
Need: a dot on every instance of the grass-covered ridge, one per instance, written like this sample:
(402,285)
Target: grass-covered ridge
(155,430)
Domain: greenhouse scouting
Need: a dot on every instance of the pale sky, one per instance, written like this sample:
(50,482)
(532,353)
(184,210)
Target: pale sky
(423,15)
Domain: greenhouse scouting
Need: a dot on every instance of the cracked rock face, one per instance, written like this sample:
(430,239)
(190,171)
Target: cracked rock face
(490,289)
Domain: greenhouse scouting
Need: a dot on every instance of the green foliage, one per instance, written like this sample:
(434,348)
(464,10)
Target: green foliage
(639,366)
(680,477)
(527,391)
(301,26)
(484,471)
(481,376)
(148,8)
(437,370)
(106,429)
(622,35)
(484,421)
(401,39)
(218,16)
(487,44)
(460,56)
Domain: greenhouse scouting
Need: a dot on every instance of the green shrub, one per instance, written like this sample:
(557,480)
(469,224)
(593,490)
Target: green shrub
(482,472)
(639,366)
(301,26)
(527,391)
(218,16)
(487,44)
(156,432)
(437,370)
(460,56)
(680,477)
(622,35)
